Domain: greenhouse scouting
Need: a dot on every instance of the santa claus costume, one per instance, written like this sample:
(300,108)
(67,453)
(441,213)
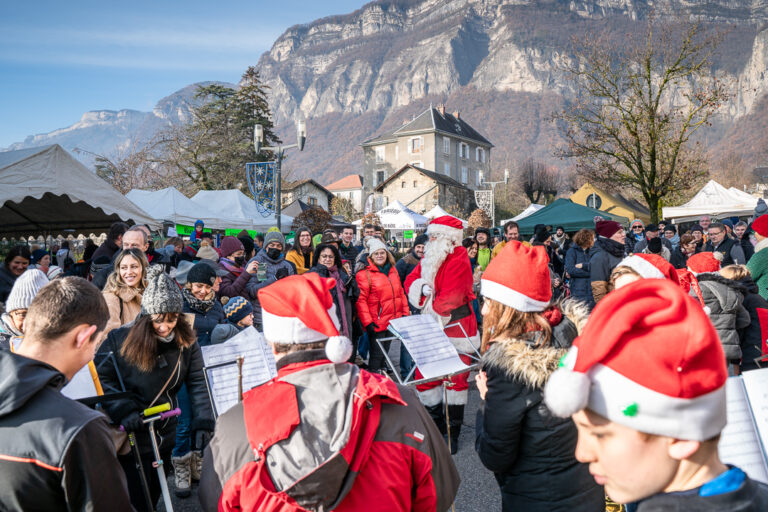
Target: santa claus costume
(441,285)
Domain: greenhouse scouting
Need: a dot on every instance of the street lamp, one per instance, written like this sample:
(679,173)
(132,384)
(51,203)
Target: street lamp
(279,151)
(486,198)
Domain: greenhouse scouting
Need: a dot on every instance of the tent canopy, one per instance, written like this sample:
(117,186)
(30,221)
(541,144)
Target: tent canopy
(169,204)
(530,210)
(569,215)
(713,199)
(439,212)
(398,216)
(235,204)
(45,190)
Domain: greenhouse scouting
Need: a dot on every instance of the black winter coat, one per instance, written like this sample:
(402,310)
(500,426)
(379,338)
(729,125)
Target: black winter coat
(751,336)
(205,322)
(6,282)
(350,297)
(143,387)
(751,496)
(581,288)
(529,450)
(606,254)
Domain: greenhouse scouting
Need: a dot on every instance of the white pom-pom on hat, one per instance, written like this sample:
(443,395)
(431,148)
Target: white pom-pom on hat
(566,392)
(338,349)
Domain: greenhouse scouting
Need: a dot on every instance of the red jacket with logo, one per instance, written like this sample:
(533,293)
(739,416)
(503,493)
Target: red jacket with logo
(323,436)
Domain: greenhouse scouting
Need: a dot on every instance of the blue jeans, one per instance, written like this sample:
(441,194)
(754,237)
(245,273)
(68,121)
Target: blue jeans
(183,433)
(363,346)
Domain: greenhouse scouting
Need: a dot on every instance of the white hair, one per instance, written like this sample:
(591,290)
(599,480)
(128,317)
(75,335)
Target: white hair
(435,252)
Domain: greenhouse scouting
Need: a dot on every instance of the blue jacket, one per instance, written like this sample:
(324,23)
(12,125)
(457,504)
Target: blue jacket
(581,288)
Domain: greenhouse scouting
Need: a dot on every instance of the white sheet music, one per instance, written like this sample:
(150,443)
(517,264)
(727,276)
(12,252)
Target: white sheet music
(81,385)
(427,343)
(258,366)
(740,442)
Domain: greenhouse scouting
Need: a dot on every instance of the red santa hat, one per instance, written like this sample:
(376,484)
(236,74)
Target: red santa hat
(624,368)
(446,225)
(299,309)
(650,266)
(704,262)
(529,287)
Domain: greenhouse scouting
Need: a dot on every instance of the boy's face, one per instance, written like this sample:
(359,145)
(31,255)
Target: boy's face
(631,465)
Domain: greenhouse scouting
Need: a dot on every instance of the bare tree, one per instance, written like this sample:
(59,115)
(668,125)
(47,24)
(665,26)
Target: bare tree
(536,180)
(638,104)
(130,168)
(344,207)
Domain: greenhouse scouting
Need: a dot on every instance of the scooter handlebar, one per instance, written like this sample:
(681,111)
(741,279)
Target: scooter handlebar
(161,416)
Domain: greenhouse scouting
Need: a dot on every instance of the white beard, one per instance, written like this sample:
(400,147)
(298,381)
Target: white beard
(435,252)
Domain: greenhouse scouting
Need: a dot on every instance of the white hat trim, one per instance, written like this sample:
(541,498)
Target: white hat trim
(289,329)
(510,297)
(692,419)
(642,266)
(442,229)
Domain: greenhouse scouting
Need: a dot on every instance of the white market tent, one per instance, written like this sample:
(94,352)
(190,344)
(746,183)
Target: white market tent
(171,205)
(746,196)
(713,199)
(235,204)
(45,190)
(398,216)
(532,208)
(439,212)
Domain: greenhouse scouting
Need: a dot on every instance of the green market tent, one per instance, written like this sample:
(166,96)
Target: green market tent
(569,215)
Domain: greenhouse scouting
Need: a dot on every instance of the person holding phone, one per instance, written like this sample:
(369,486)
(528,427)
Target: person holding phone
(271,267)
(233,261)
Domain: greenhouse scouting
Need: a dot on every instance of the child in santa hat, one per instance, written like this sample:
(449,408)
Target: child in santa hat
(650,412)
(642,266)
(524,336)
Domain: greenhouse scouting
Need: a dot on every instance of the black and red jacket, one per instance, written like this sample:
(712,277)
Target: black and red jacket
(324,436)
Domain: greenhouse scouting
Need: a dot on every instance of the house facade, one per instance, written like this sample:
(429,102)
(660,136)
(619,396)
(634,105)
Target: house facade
(309,191)
(435,141)
(421,190)
(351,188)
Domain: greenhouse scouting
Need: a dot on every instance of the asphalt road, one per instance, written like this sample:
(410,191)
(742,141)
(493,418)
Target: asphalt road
(478,490)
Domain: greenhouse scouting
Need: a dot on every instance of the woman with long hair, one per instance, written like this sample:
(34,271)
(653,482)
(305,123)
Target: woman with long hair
(124,288)
(528,448)
(155,355)
(302,251)
(16,262)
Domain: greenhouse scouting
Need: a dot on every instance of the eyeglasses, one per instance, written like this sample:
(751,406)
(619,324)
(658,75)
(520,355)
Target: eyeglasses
(637,227)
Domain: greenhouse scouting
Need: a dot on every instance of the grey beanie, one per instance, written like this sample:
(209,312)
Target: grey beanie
(25,288)
(761,208)
(274,236)
(162,295)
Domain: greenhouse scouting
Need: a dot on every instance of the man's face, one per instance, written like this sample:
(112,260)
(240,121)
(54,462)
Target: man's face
(347,234)
(559,232)
(482,238)
(368,232)
(631,465)
(716,235)
(418,251)
(669,234)
(134,240)
(652,234)
(620,236)
(705,222)
(512,233)
(739,231)
(379,235)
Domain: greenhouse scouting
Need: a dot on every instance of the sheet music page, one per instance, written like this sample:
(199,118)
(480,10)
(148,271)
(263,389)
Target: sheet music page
(739,442)
(433,352)
(756,385)
(258,366)
(81,385)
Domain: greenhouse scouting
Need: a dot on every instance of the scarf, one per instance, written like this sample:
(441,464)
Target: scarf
(230,266)
(761,245)
(385,269)
(611,246)
(202,306)
(7,324)
(341,291)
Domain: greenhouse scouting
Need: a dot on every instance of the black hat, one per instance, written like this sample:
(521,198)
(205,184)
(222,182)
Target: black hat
(698,228)
(654,245)
(421,239)
(652,228)
(542,235)
(483,230)
(202,273)
(670,227)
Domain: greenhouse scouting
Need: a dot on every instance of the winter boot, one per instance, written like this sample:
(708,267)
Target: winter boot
(182,471)
(456,419)
(196,465)
(437,413)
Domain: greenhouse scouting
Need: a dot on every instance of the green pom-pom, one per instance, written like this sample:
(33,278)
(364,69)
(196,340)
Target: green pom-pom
(630,410)
(562,360)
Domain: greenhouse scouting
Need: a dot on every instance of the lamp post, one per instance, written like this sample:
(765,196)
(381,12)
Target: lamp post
(279,151)
(487,197)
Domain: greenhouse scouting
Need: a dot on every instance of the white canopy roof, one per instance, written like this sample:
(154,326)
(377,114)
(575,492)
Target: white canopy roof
(46,190)
(439,212)
(712,199)
(233,203)
(532,208)
(169,204)
(398,216)
(746,196)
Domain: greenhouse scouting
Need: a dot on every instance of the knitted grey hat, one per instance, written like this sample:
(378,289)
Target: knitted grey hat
(162,295)
(25,288)
(761,208)
(274,236)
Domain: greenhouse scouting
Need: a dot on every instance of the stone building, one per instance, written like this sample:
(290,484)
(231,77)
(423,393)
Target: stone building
(309,191)
(421,190)
(349,187)
(436,141)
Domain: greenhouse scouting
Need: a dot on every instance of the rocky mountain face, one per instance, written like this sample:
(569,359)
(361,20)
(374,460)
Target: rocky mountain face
(496,61)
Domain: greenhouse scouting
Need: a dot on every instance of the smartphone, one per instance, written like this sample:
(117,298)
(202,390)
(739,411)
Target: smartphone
(261,273)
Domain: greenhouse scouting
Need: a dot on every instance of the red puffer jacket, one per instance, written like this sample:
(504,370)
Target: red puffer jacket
(382,297)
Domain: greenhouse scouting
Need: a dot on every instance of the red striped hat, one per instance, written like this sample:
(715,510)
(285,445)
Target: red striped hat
(299,309)
(518,277)
(624,366)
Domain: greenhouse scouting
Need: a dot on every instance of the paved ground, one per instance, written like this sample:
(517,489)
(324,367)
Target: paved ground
(478,490)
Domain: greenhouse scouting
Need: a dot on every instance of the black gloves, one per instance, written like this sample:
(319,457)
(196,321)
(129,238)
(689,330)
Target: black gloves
(371,329)
(283,272)
(133,422)
(202,438)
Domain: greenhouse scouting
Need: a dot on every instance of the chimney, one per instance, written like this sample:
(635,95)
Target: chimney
(457,114)
(441,109)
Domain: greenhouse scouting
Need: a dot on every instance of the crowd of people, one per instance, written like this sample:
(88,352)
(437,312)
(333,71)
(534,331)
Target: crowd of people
(568,418)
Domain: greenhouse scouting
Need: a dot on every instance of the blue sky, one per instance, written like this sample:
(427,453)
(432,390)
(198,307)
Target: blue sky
(61,59)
